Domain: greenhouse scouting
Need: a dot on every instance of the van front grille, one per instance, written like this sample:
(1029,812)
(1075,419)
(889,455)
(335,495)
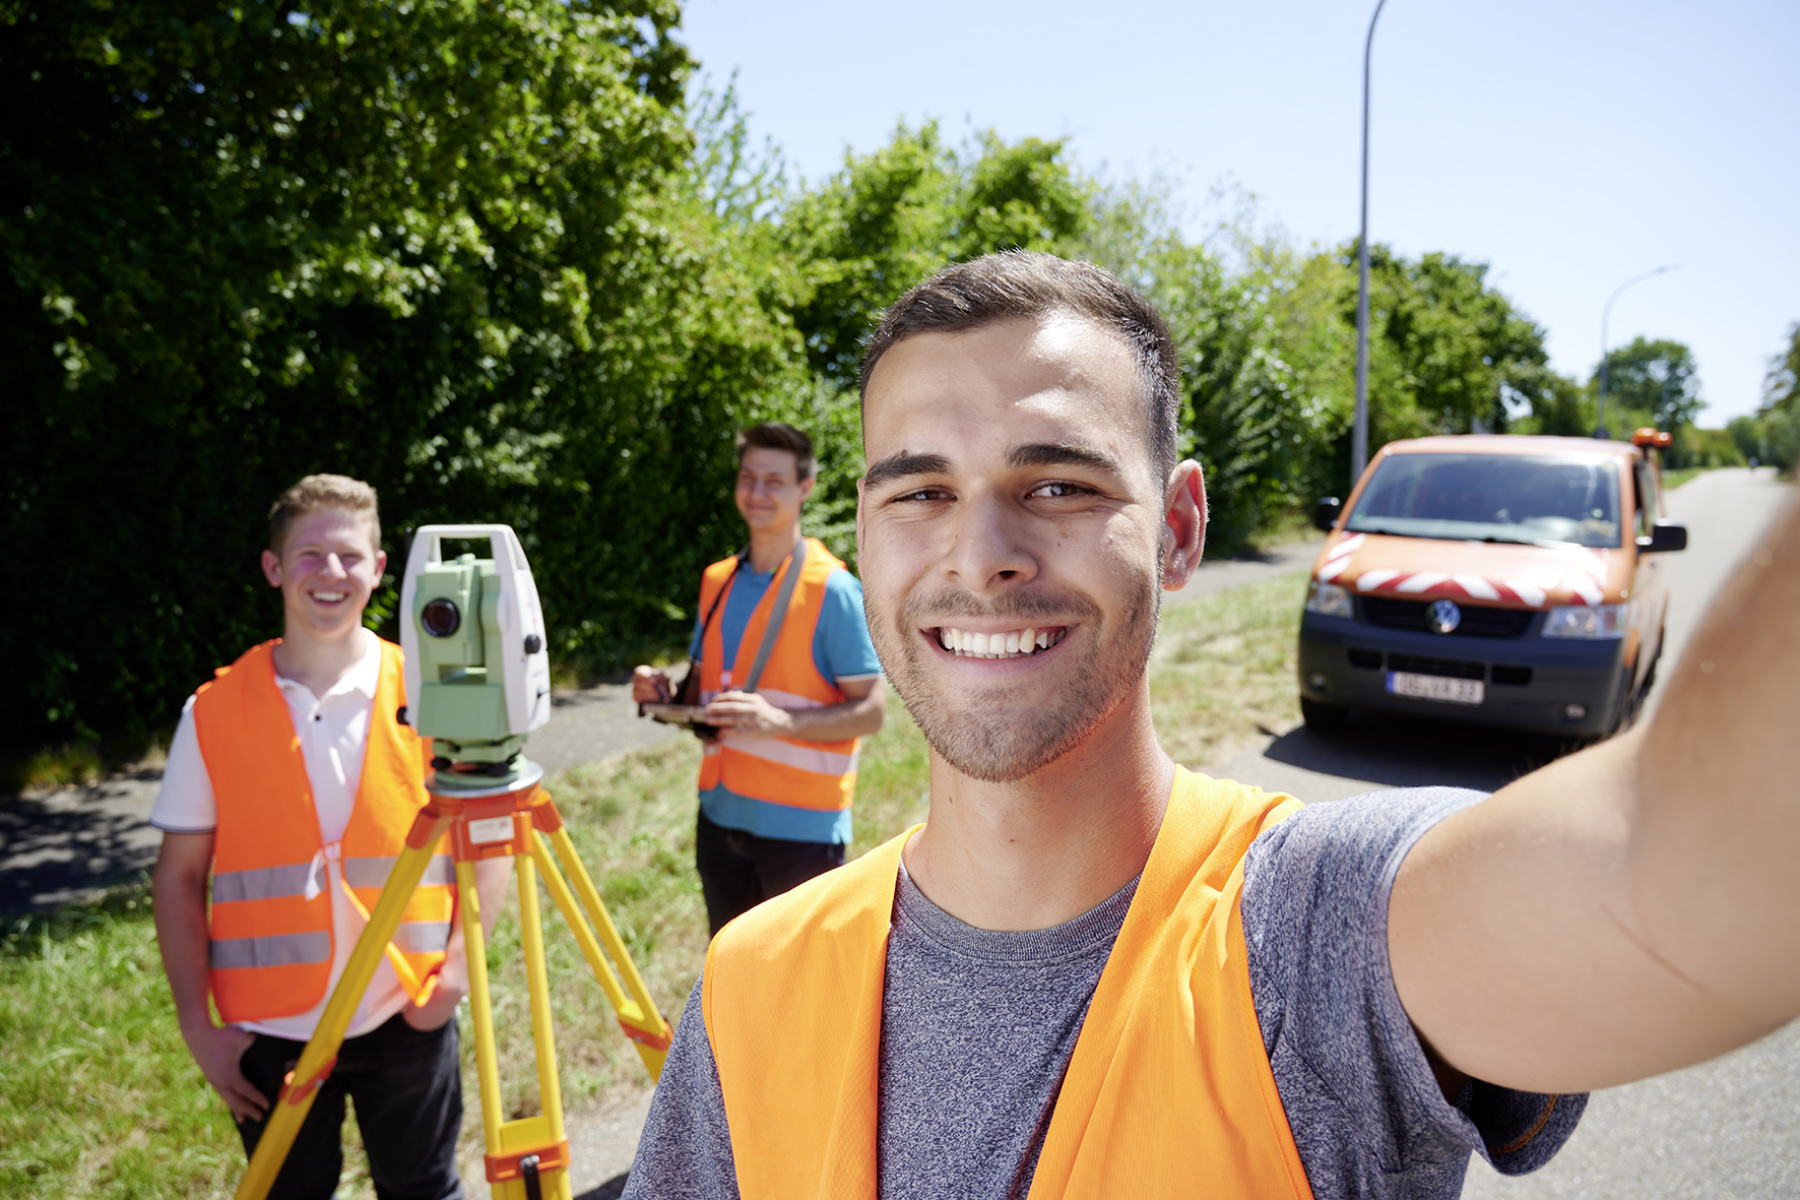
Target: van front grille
(1476,621)
(1451,668)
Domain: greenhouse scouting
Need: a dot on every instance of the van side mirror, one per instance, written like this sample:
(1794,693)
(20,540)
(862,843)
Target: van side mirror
(1326,513)
(1665,535)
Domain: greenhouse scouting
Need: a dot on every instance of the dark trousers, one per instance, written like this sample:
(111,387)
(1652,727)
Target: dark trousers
(739,870)
(407,1087)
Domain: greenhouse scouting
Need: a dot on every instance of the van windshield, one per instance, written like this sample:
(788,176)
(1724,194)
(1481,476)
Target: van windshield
(1493,498)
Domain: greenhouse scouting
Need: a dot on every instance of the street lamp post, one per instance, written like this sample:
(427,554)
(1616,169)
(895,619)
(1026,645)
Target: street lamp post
(1359,435)
(1605,316)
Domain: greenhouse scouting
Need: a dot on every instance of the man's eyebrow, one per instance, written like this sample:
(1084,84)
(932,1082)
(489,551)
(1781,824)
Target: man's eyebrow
(1057,454)
(901,465)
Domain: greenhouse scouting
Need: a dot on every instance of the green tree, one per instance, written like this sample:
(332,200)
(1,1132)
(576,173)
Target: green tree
(1775,430)
(1652,383)
(1447,352)
(1563,408)
(455,248)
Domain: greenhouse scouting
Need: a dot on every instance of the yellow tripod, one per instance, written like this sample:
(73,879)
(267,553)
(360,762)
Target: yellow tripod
(527,1159)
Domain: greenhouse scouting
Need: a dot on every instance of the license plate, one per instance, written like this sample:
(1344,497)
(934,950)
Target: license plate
(1435,687)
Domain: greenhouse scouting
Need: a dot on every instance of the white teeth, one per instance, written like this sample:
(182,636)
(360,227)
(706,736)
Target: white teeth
(969,644)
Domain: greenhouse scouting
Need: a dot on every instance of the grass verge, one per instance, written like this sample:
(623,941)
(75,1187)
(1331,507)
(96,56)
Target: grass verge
(98,1097)
(1223,670)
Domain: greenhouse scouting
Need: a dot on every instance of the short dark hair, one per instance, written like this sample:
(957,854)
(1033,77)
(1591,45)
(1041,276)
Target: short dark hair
(1033,285)
(779,435)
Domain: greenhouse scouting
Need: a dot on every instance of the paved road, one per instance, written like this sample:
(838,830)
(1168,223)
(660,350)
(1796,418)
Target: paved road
(1730,1128)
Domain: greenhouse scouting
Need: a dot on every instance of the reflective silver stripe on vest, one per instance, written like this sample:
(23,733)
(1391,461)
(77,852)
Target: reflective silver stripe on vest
(422,937)
(281,950)
(263,883)
(374,872)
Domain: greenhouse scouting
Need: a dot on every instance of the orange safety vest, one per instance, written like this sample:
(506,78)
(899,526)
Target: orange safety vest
(272,940)
(813,775)
(1169,1091)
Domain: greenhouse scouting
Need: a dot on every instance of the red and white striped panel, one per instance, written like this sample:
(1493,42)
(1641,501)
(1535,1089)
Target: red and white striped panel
(1436,583)
(1584,577)
(1339,557)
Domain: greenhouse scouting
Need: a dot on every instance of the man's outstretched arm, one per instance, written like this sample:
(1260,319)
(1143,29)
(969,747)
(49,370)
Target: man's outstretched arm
(1636,907)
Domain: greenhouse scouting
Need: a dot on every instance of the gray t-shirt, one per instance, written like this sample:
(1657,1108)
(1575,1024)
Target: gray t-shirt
(978,1027)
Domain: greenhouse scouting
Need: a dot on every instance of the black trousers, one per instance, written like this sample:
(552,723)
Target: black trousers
(407,1086)
(739,870)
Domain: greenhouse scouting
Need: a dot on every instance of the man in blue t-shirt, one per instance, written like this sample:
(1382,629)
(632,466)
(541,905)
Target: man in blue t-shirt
(780,766)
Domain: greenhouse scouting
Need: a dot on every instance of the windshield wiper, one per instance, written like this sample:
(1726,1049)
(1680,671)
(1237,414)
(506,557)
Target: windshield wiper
(1512,541)
(1384,532)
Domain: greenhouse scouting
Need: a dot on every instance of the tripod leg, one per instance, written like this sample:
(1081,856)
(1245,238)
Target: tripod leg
(481,1006)
(320,1055)
(641,1019)
(543,1035)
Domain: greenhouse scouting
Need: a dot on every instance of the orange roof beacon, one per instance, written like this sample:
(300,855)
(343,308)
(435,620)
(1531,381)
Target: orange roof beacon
(1499,580)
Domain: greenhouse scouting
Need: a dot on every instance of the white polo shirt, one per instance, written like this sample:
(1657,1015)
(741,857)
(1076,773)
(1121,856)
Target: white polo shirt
(333,731)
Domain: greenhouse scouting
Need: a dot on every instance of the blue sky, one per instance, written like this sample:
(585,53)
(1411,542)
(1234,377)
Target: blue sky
(1569,145)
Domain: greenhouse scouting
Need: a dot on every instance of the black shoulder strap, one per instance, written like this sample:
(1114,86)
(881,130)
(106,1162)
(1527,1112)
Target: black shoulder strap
(720,598)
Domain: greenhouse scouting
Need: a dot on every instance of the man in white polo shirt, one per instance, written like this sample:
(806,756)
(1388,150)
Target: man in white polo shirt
(290,783)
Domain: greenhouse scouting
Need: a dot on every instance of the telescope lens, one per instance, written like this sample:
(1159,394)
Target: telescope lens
(440,618)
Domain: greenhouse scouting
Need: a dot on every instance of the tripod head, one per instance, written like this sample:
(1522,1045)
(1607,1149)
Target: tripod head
(477,667)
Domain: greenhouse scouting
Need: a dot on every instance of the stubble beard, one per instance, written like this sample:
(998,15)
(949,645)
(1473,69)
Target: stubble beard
(1006,732)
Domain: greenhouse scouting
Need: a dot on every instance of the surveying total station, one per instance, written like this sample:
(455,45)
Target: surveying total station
(478,683)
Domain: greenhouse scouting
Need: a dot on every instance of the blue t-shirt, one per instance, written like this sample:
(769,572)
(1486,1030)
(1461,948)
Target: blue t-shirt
(842,652)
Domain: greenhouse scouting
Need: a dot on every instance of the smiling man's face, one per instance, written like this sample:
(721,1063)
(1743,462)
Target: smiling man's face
(1008,533)
(328,567)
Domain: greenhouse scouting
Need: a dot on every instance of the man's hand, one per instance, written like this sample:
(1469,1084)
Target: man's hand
(650,685)
(218,1052)
(750,712)
(858,715)
(440,1006)
(491,878)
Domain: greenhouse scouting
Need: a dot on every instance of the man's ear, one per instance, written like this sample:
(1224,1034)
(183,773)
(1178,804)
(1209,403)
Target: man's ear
(271,565)
(1184,525)
(806,487)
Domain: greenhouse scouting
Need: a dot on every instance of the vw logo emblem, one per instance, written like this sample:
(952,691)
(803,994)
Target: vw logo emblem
(1443,616)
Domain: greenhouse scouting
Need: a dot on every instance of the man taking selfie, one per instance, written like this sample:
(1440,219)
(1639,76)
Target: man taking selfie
(782,662)
(1093,973)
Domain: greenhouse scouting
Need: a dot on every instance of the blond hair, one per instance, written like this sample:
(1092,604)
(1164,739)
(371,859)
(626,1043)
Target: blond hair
(319,492)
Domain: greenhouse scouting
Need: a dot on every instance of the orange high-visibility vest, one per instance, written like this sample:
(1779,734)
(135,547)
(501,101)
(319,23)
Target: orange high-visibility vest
(813,775)
(1169,1091)
(272,940)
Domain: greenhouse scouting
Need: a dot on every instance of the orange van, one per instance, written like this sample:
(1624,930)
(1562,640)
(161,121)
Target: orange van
(1499,580)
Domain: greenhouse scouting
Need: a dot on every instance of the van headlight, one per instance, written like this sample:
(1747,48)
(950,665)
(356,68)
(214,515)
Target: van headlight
(1590,622)
(1329,600)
